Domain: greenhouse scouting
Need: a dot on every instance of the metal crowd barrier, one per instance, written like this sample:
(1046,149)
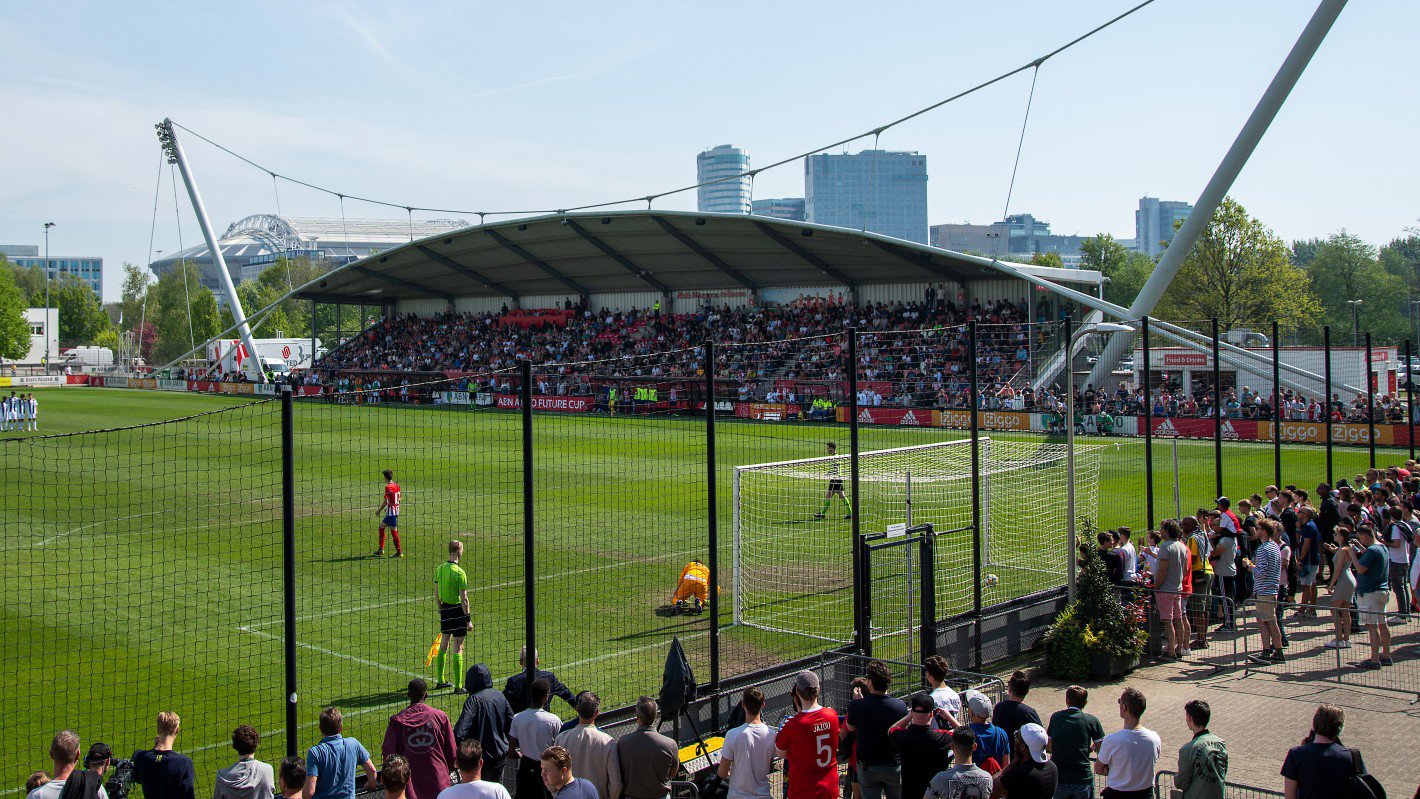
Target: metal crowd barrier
(1163,789)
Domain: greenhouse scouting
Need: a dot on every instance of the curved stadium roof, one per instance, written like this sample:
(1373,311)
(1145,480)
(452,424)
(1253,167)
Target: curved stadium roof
(661,251)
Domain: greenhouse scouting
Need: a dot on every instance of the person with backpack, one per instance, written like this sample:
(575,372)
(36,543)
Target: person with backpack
(1321,768)
(1400,537)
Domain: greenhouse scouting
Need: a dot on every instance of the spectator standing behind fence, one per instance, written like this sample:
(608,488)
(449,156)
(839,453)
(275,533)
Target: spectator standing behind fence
(593,752)
(64,752)
(1372,596)
(1320,767)
(1173,562)
(291,777)
(1012,713)
(747,755)
(471,784)
(1127,757)
(948,702)
(1399,537)
(331,763)
(965,779)
(248,778)
(1074,734)
(1031,775)
(1199,548)
(163,773)
(423,736)
(870,718)
(1203,761)
(486,717)
(533,730)
(923,749)
(517,686)
(1266,566)
(808,742)
(993,748)
(557,776)
(648,759)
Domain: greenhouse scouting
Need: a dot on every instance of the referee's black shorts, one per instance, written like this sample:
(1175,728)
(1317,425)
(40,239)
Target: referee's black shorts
(452,620)
(835,484)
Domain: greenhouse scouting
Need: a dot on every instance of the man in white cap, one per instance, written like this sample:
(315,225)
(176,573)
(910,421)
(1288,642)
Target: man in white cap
(1031,774)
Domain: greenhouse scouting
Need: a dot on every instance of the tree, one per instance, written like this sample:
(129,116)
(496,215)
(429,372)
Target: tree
(1126,269)
(1346,268)
(1401,257)
(81,315)
(14,330)
(1047,259)
(188,312)
(30,281)
(1303,251)
(136,282)
(1241,273)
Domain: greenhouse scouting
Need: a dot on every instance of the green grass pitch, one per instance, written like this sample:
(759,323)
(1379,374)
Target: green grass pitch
(142,570)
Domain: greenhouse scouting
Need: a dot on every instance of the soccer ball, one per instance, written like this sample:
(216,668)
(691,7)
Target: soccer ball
(990,580)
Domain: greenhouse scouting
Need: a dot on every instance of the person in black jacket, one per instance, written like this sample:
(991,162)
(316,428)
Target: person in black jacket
(516,689)
(1326,519)
(486,718)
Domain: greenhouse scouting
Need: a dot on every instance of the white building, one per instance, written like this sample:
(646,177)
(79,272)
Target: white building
(44,327)
(1187,368)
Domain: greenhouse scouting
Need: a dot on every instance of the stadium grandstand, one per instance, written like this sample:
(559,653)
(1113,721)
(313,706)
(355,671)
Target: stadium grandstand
(253,242)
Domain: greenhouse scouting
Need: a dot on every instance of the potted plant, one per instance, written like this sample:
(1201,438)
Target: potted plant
(1098,636)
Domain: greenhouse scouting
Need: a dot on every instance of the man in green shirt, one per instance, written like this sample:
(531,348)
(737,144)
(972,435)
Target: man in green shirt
(1074,734)
(451,595)
(1203,761)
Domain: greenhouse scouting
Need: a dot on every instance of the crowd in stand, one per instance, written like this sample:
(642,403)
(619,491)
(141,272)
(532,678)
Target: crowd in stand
(1127,400)
(939,744)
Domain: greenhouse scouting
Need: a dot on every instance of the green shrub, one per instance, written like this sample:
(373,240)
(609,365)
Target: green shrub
(1096,623)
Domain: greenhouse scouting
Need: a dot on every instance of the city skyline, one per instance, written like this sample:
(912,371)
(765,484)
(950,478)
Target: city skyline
(601,113)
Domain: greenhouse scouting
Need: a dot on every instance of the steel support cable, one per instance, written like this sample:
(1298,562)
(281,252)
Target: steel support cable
(152,231)
(1020,143)
(182,263)
(649,199)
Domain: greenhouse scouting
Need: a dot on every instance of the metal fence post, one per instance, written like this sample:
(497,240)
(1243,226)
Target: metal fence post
(288,561)
(1370,401)
(529,560)
(1409,399)
(1276,406)
(927,561)
(1326,355)
(976,490)
(1217,416)
(1148,426)
(712,519)
(861,632)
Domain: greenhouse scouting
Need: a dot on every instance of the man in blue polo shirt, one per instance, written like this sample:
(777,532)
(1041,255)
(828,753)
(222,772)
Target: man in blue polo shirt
(330,764)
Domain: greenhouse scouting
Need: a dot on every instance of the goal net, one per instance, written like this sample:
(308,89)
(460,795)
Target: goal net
(793,572)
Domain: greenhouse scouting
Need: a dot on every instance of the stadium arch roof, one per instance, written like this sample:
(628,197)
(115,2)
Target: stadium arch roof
(658,251)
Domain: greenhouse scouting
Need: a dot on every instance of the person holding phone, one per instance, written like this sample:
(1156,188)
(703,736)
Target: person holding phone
(808,742)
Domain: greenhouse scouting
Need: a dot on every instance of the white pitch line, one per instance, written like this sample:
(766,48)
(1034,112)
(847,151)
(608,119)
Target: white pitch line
(333,653)
(494,587)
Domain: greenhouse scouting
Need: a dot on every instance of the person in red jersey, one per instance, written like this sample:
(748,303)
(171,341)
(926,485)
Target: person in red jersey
(808,742)
(389,513)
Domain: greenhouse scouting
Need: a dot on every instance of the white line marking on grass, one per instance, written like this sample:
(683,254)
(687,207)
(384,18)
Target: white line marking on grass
(494,587)
(333,653)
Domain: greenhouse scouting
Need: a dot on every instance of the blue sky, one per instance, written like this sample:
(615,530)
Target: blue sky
(516,105)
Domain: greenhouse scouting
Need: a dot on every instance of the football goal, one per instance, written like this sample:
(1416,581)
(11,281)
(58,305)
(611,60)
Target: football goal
(793,570)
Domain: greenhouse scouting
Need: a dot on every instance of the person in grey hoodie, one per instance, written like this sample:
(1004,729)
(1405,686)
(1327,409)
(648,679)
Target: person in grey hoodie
(486,717)
(248,778)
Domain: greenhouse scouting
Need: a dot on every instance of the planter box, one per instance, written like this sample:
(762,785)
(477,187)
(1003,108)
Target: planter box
(1105,666)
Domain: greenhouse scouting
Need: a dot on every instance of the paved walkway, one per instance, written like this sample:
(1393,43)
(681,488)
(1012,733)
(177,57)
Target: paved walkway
(1262,711)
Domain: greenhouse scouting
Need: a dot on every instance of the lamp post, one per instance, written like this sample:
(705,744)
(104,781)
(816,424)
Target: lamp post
(1071,544)
(1355,322)
(48,267)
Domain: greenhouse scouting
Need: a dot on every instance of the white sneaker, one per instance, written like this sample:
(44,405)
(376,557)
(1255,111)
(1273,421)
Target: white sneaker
(1333,644)
(1183,653)
(1344,645)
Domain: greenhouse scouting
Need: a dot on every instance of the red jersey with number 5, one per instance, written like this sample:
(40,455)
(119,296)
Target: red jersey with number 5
(392,498)
(811,743)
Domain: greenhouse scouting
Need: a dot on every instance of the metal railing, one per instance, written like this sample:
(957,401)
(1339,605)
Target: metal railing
(1225,648)
(1164,781)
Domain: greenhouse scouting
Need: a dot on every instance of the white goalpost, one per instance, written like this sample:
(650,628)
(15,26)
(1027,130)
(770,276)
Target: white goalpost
(793,572)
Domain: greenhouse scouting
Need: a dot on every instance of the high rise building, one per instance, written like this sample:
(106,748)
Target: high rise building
(1018,237)
(780,208)
(89,269)
(1154,223)
(730,193)
(878,190)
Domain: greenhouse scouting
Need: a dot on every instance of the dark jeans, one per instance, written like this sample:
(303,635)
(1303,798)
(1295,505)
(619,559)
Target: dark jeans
(529,785)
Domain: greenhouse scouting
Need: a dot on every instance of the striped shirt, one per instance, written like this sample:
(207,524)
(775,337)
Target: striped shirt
(1266,570)
(452,582)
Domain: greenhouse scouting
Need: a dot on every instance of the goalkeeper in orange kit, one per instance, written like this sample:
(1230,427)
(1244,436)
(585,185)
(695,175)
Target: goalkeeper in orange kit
(692,592)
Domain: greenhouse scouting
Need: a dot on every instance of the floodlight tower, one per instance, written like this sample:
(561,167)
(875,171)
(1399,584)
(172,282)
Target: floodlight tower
(175,156)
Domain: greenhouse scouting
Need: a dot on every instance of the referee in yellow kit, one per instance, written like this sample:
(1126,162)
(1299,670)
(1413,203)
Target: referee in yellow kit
(454,619)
